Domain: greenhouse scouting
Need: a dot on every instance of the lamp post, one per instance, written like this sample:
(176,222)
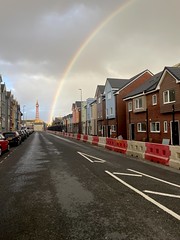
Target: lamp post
(23,114)
(81,111)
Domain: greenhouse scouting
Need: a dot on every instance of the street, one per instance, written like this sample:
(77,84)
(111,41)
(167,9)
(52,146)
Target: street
(59,188)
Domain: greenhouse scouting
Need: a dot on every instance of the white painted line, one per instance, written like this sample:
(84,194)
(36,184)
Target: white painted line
(98,160)
(158,179)
(175,215)
(162,194)
(85,157)
(127,174)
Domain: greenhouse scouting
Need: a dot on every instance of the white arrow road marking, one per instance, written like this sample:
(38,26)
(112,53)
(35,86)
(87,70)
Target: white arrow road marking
(127,174)
(158,179)
(162,194)
(88,157)
(175,215)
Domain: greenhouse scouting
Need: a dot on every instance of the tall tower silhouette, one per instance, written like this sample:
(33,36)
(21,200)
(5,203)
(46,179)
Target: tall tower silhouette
(37,110)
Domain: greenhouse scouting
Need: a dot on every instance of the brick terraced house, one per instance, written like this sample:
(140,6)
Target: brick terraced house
(153,109)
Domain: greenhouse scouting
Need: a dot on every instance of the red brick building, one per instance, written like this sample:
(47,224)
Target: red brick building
(121,121)
(153,109)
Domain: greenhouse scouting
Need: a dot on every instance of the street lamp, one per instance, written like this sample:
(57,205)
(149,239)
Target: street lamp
(23,114)
(81,111)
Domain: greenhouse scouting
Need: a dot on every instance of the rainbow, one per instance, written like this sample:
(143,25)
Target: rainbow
(80,50)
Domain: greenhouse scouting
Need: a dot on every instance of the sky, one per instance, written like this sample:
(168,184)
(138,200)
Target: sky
(51,49)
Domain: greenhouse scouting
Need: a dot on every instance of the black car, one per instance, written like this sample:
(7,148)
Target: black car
(13,137)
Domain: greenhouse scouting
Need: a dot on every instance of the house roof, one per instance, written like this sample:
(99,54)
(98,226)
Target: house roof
(101,88)
(134,78)
(175,71)
(78,104)
(147,86)
(154,81)
(117,83)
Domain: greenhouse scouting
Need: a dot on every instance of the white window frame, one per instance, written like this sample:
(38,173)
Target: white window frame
(139,127)
(109,95)
(111,111)
(154,99)
(165,126)
(113,128)
(168,96)
(130,106)
(155,130)
(137,101)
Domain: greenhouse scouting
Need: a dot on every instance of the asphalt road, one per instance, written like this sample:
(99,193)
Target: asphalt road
(58,188)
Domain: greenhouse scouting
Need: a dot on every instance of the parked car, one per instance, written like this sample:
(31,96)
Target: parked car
(22,134)
(4,144)
(13,137)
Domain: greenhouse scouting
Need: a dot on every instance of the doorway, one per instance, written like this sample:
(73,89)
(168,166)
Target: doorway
(175,133)
(131,131)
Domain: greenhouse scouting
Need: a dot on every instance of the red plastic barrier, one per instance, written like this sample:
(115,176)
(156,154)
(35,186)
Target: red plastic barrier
(85,138)
(110,143)
(78,136)
(158,153)
(95,140)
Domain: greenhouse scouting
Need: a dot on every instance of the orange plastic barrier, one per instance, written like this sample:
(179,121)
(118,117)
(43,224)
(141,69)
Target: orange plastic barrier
(95,140)
(158,153)
(116,145)
(120,146)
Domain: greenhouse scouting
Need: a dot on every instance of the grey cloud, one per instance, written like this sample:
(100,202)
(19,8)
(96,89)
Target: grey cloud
(40,38)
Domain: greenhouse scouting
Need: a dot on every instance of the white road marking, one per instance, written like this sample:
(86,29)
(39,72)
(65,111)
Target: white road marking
(98,160)
(158,179)
(175,215)
(162,194)
(127,174)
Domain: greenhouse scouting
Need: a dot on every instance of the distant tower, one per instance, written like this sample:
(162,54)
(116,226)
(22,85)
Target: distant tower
(37,110)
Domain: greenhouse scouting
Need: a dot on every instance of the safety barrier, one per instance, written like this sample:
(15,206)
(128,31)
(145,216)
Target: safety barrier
(90,139)
(120,146)
(158,153)
(174,160)
(136,149)
(116,145)
(102,142)
(78,136)
(110,143)
(95,140)
(85,138)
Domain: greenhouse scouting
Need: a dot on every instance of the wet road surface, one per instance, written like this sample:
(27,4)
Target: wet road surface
(58,188)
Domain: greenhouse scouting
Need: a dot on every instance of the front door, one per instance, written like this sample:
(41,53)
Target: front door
(132,131)
(109,131)
(175,133)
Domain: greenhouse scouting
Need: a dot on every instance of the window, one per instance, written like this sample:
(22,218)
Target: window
(111,110)
(154,99)
(113,128)
(129,106)
(165,127)
(109,95)
(138,103)
(141,127)
(155,127)
(99,100)
(169,96)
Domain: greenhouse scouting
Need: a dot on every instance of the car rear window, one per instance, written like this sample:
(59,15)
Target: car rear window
(9,134)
